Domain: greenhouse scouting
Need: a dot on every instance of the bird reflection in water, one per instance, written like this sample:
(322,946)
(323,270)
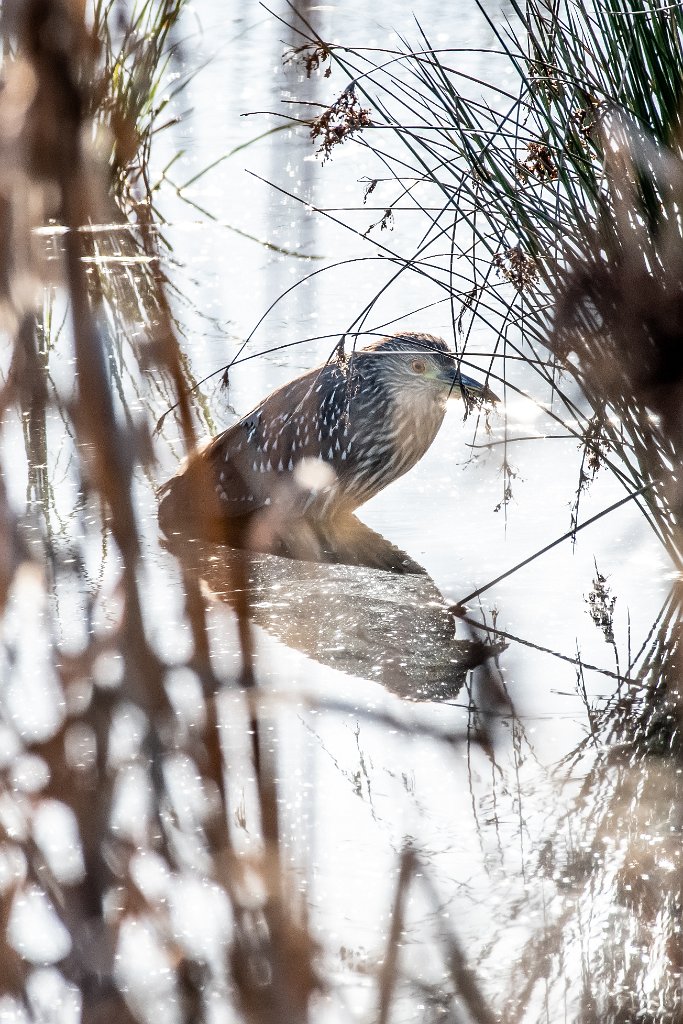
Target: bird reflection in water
(285,480)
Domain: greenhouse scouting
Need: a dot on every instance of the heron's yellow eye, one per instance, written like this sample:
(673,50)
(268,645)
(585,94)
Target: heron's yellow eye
(418,366)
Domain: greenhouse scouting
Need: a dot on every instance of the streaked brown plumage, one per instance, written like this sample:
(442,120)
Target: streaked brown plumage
(362,425)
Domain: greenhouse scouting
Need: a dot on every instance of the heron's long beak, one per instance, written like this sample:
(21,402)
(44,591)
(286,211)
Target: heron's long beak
(467,386)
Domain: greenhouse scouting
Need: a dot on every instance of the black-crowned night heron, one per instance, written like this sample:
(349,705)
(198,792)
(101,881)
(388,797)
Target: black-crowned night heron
(329,440)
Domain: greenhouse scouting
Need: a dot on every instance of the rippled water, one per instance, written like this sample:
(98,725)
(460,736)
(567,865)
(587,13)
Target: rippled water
(521,843)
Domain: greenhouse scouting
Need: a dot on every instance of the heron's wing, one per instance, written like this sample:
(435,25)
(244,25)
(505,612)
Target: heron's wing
(253,460)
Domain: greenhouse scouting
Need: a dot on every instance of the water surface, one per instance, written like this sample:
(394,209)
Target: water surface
(526,834)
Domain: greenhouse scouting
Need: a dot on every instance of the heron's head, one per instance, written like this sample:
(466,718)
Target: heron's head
(423,364)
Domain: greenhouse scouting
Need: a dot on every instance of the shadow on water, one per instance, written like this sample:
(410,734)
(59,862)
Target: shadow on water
(378,615)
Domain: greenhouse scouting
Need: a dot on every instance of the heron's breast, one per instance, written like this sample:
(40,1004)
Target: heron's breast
(415,422)
(390,444)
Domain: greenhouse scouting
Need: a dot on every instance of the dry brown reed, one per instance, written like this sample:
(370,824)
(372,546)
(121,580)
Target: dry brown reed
(49,171)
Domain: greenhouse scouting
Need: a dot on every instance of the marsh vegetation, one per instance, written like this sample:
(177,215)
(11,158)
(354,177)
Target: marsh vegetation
(242,787)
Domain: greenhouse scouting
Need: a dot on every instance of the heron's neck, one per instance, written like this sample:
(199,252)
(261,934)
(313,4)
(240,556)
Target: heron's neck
(417,420)
(413,423)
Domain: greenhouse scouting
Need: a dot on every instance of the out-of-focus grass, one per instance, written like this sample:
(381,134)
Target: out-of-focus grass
(64,82)
(131,95)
